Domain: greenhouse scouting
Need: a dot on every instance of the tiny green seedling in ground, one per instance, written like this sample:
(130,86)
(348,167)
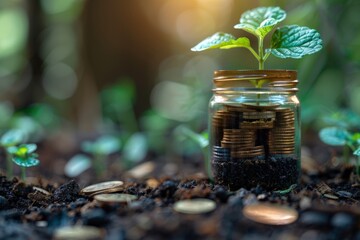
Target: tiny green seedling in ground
(290,41)
(24,155)
(9,139)
(340,134)
(101,148)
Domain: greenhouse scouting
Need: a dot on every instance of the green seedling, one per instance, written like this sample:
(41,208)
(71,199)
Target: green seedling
(100,149)
(9,139)
(290,41)
(202,140)
(339,136)
(24,156)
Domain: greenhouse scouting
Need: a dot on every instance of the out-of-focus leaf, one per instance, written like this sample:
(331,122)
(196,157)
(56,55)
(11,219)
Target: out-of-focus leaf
(14,28)
(77,165)
(334,136)
(43,114)
(357,152)
(118,99)
(6,112)
(136,148)
(200,139)
(33,129)
(12,137)
(104,145)
(26,162)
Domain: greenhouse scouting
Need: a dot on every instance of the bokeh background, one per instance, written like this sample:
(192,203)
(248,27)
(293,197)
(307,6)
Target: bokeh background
(72,70)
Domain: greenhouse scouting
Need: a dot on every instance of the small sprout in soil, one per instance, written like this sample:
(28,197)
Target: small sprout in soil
(24,155)
(201,139)
(337,136)
(9,139)
(291,41)
(100,149)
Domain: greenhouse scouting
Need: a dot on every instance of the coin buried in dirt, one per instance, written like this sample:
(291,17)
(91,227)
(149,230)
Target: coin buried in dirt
(78,233)
(115,198)
(100,187)
(270,214)
(195,206)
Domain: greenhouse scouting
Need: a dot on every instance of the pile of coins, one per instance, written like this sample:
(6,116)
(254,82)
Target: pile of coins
(246,131)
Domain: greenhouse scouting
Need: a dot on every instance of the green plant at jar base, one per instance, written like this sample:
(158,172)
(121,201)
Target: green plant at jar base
(290,41)
(24,156)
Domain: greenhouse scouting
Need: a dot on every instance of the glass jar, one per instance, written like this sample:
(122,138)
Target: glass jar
(254,127)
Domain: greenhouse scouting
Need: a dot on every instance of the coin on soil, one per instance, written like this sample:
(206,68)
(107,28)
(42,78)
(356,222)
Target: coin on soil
(78,233)
(195,206)
(115,198)
(270,214)
(100,187)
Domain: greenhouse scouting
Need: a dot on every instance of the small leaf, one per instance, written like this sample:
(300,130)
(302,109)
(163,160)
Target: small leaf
(12,137)
(217,40)
(295,42)
(240,42)
(201,139)
(104,145)
(26,162)
(136,148)
(334,136)
(357,152)
(77,165)
(260,21)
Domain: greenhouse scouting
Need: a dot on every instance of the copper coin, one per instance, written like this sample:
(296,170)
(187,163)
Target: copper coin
(270,214)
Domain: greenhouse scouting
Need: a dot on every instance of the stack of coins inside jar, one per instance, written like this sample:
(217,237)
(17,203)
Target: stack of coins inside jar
(245,132)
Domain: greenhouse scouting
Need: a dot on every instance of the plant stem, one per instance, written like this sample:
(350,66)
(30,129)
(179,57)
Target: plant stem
(9,167)
(98,164)
(261,53)
(23,173)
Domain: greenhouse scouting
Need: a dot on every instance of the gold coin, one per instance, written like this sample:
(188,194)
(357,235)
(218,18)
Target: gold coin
(259,115)
(115,198)
(195,206)
(257,125)
(270,214)
(101,187)
(78,233)
(261,105)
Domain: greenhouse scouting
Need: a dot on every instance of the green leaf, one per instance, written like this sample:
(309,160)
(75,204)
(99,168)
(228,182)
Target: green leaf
(260,21)
(12,137)
(357,152)
(77,165)
(294,42)
(217,40)
(26,162)
(200,139)
(136,148)
(240,42)
(334,136)
(104,145)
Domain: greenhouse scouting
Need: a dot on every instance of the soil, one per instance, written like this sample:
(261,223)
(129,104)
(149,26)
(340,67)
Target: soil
(327,200)
(274,173)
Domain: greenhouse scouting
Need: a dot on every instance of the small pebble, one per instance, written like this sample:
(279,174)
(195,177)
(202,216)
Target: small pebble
(96,217)
(342,220)
(4,204)
(344,194)
(314,219)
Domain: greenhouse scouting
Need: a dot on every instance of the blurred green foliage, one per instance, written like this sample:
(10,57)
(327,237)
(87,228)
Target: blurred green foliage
(329,80)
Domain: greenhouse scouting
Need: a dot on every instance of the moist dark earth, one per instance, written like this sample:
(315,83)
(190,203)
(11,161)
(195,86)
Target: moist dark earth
(327,201)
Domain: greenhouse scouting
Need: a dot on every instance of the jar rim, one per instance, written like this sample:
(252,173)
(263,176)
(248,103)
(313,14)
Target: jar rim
(284,79)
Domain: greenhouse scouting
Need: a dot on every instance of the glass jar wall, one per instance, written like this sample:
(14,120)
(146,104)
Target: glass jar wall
(255,129)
